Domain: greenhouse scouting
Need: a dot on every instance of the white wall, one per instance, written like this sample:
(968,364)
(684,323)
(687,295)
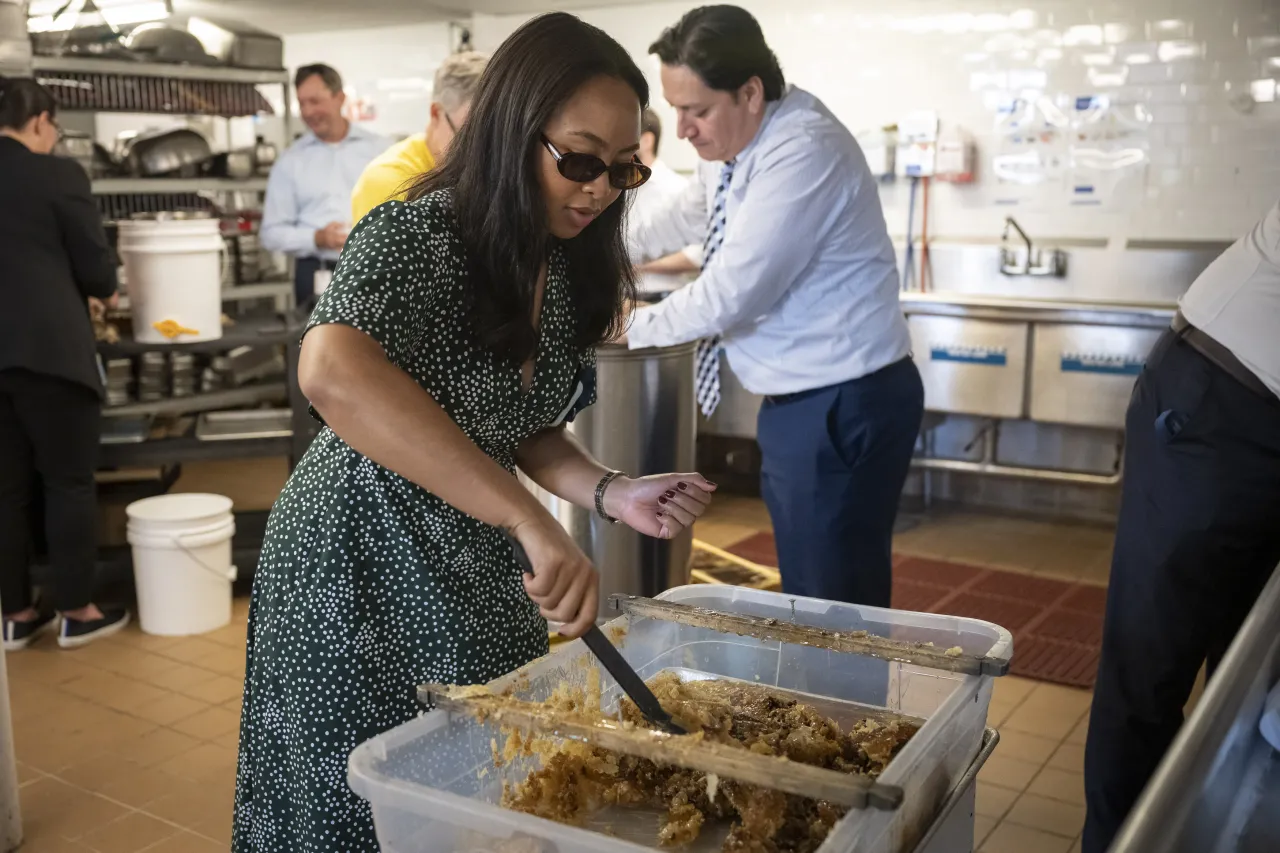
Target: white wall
(1213,170)
(390,67)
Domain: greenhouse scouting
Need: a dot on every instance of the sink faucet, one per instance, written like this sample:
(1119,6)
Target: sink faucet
(1033,262)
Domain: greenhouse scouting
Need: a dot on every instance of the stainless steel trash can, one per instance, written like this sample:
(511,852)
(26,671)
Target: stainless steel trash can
(644,422)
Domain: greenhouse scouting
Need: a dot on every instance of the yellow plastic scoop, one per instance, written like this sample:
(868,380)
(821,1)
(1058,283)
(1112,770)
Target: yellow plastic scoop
(172,329)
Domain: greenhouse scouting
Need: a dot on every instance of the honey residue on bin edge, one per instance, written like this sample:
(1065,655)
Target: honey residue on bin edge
(577,779)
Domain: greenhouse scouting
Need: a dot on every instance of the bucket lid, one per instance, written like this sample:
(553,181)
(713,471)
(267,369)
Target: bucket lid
(171,215)
(178,508)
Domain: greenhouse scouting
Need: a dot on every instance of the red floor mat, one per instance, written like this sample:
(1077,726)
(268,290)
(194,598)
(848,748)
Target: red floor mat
(1056,625)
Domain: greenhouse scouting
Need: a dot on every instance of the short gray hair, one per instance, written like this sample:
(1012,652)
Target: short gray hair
(457,78)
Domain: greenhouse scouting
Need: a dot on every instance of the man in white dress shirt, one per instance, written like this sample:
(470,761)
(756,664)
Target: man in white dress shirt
(660,277)
(1199,528)
(307,212)
(799,287)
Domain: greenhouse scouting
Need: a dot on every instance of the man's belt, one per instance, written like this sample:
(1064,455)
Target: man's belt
(1204,344)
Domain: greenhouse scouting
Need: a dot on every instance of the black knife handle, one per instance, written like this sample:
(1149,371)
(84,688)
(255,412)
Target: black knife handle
(613,661)
(629,680)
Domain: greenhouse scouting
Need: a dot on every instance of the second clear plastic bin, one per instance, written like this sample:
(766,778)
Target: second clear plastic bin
(435,788)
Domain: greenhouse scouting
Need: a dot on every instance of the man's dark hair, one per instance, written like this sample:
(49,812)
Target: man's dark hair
(723,45)
(21,100)
(650,123)
(328,75)
(492,170)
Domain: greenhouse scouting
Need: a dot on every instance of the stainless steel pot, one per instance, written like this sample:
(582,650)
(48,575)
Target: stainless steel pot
(79,147)
(159,41)
(644,422)
(236,165)
(179,152)
(264,155)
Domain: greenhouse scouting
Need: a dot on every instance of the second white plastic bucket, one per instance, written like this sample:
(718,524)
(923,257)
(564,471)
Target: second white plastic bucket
(182,562)
(173,270)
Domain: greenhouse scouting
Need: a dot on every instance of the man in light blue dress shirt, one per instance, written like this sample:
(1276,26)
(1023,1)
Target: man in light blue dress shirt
(800,289)
(309,193)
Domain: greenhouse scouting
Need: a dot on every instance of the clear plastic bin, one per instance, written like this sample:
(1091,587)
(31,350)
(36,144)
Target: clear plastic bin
(434,787)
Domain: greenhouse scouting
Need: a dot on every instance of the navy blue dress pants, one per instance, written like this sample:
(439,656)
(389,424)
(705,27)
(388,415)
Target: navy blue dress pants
(304,279)
(1198,537)
(834,461)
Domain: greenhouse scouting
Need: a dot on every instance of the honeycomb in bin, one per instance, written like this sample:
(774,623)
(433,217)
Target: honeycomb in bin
(576,780)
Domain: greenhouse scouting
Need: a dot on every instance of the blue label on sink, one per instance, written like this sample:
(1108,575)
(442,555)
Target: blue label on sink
(970,354)
(1109,364)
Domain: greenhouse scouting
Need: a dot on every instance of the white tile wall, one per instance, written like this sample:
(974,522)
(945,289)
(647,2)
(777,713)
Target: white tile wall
(392,66)
(1215,167)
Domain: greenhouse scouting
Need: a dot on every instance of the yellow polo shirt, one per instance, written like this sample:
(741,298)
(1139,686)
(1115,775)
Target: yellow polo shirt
(391,174)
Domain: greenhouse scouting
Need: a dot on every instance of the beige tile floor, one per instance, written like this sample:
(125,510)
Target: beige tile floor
(129,745)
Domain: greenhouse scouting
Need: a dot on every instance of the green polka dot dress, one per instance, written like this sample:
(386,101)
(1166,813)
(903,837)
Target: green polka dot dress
(369,585)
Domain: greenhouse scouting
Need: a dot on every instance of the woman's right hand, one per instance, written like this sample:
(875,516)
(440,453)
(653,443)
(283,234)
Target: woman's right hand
(564,584)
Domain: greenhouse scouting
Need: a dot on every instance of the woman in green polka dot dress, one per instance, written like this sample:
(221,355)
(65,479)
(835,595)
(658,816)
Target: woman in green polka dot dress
(454,342)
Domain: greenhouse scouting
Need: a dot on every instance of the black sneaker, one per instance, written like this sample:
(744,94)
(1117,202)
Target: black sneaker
(19,635)
(75,633)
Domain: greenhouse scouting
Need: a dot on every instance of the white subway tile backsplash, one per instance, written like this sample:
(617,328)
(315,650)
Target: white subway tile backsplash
(1196,92)
(1265,45)
(1117,33)
(1170,28)
(1084,35)
(1185,135)
(1170,113)
(1263,91)
(1215,176)
(1164,93)
(1136,53)
(1179,51)
(1211,164)
(1155,72)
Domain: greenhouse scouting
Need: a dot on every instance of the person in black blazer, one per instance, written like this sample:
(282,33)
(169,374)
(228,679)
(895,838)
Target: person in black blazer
(54,259)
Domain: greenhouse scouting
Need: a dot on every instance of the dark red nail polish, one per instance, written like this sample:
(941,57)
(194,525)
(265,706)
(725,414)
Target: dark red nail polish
(684,487)
(662,500)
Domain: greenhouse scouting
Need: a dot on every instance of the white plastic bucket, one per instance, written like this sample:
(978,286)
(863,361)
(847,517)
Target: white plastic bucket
(182,562)
(174,273)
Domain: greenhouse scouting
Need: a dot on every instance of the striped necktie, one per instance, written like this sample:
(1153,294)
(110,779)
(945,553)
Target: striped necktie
(707,372)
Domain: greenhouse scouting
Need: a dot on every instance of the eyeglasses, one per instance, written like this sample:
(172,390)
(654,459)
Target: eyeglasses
(453,128)
(585,168)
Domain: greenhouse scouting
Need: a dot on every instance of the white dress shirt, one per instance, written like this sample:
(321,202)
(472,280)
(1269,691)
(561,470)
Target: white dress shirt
(310,186)
(662,188)
(1236,300)
(804,290)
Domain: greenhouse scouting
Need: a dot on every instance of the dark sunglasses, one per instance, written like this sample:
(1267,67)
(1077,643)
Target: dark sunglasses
(585,168)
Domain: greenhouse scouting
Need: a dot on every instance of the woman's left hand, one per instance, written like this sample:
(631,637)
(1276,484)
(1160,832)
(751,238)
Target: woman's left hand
(661,506)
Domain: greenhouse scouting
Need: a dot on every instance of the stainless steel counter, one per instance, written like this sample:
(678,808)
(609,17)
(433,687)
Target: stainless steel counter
(1049,360)
(1027,378)
(1046,360)
(1151,315)
(1218,788)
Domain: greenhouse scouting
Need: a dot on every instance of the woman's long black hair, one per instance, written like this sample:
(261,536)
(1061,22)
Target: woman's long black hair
(21,100)
(492,169)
